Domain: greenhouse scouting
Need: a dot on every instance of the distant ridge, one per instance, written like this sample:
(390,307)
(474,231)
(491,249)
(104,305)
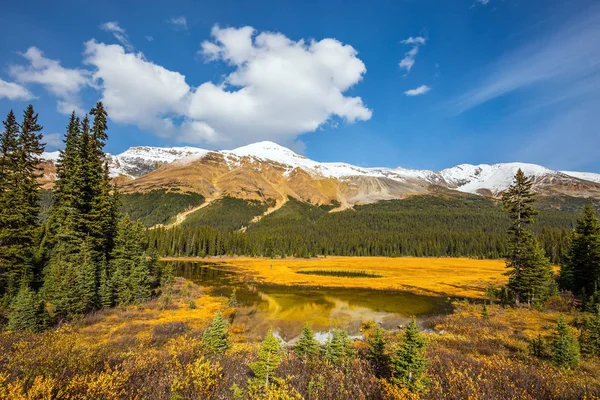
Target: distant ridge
(266,170)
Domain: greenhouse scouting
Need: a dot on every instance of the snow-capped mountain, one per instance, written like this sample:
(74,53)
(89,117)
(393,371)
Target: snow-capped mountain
(138,161)
(180,166)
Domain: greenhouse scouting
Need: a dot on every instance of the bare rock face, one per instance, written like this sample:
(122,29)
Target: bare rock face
(265,171)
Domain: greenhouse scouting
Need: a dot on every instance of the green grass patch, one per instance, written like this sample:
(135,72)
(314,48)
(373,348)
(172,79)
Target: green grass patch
(340,273)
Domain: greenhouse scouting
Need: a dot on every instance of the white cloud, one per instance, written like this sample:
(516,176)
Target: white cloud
(149,38)
(135,90)
(64,83)
(278,89)
(419,40)
(14,91)
(418,91)
(118,32)
(67,107)
(53,140)
(178,22)
(409,57)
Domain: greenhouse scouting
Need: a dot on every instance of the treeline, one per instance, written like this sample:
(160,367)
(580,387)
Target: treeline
(85,255)
(434,226)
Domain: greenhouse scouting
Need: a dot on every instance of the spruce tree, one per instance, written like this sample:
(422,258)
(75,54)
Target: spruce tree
(538,346)
(27,311)
(214,337)
(536,275)
(590,336)
(581,271)
(66,277)
(100,217)
(141,279)
(408,363)
(565,346)
(270,356)
(8,170)
(127,269)
(19,199)
(67,196)
(593,301)
(529,270)
(376,353)
(307,346)
(484,312)
(233,301)
(338,348)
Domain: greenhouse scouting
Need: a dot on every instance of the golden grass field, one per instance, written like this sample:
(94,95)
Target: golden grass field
(461,277)
(117,324)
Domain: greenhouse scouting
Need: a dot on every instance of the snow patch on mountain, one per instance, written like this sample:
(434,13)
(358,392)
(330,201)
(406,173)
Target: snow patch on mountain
(137,161)
(51,156)
(140,160)
(281,155)
(496,178)
(588,176)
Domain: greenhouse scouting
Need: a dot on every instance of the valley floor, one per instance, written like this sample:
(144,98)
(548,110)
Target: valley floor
(453,277)
(155,351)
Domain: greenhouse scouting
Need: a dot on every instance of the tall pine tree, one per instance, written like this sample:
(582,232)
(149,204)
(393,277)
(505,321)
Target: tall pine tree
(67,196)
(8,169)
(19,201)
(529,269)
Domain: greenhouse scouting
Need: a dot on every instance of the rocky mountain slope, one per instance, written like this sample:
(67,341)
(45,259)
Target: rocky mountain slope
(267,171)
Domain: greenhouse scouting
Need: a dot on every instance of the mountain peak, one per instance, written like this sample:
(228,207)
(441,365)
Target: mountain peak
(265,145)
(269,151)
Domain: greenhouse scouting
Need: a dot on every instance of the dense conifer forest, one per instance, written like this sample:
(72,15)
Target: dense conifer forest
(74,253)
(158,206)
(437,226)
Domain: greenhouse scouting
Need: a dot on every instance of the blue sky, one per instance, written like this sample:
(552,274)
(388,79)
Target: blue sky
(420,84)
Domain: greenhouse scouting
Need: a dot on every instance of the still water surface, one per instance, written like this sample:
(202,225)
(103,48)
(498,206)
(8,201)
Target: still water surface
(286,309)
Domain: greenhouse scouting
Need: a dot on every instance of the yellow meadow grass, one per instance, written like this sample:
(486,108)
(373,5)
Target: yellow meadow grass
(140,321)
(463,277)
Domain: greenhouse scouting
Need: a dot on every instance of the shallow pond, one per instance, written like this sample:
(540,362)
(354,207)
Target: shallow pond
(286,309)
